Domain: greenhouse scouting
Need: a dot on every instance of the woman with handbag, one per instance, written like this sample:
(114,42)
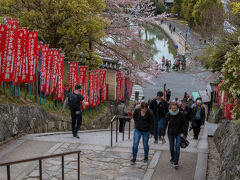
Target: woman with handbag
(175,121)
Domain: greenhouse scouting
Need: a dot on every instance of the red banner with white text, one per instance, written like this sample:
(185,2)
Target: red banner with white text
(59,95)
(91,88)
(25,74)
(103,84)
(54,71)
(118,88)
(3,32)
(48,71)
(44,63)
(10,49)
(73,75)
(19,58)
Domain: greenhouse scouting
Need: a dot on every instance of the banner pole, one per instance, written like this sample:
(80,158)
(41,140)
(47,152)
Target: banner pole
(18,90)
(12,89)
(25,89)
(30,90)
(40,59)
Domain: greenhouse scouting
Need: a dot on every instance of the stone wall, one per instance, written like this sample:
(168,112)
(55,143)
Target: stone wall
(18,120)
(227,140)
(15,120)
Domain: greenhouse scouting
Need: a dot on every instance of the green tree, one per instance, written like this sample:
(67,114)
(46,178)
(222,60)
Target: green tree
(69,25)
(201,7)
(188,13)
(160,7)
(176,9)
(184,7)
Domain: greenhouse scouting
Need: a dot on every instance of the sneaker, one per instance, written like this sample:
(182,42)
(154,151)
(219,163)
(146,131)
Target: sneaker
(176,166)
(145,160)
(156,142)
(171,161)
(133,161)
(76,136)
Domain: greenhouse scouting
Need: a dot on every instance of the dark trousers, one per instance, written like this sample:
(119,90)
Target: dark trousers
(187,126)
(122,122)
(196,127)
(76,117)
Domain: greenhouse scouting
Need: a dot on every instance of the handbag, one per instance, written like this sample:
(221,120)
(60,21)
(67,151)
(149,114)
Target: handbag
(184,143)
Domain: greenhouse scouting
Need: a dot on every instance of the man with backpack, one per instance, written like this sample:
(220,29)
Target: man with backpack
(198,118)
(74,101)
(159,108)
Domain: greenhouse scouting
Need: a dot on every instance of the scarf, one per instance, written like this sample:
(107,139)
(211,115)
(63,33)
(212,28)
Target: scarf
(173,113)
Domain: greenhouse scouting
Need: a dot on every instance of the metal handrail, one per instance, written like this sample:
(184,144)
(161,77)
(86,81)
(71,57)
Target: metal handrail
(7,164)
(116,118)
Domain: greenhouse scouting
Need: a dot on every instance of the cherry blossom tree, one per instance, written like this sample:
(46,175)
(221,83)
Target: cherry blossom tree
(124,42)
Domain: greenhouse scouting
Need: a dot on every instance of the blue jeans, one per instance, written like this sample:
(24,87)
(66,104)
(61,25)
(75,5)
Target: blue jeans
(174,142)
(158,127)
(136,139)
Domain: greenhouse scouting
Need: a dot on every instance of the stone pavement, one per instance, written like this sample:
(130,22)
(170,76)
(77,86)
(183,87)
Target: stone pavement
(98,159)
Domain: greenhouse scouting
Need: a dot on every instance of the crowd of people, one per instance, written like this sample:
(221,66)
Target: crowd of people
(179,63)
(154,117)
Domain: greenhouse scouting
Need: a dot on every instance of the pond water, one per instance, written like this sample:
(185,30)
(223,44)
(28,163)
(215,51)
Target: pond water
(159,42)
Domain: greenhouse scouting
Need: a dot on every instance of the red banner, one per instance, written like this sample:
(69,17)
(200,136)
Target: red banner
(44,63)
(82,77)
(48,72)
(32,52)
(85,95)
(118,89)
(103,84)
(10,49)
(3,32)
(19,58)
(24,75)
(91,86)
(95,89)
(54,71)
(60,83)
(73,75)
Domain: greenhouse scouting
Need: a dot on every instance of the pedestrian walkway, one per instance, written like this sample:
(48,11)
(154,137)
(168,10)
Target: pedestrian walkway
(98,159)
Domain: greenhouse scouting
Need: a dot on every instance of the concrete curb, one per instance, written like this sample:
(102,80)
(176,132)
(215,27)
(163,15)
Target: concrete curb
(201,167)
(152,165)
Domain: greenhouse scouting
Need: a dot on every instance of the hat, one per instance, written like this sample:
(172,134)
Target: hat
(160,93)
(77,87)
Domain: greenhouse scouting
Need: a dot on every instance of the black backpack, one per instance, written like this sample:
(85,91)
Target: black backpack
(74,102)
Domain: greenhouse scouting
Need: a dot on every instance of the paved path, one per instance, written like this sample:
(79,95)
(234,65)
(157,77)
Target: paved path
(98,159)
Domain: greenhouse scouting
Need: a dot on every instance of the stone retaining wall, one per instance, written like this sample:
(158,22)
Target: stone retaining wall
(227,140)
(18,120)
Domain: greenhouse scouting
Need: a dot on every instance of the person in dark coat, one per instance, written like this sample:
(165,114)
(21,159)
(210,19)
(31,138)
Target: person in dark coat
(168,94)
(198,118)
(159,108)
(143,121)
(175,122)
(188,114)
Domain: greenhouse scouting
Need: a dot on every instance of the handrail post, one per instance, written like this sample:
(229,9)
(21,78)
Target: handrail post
(111,133)
(8,172)
(124,121)
(62,167)
(129,128)
(117,129)
(79,166)
(40,169)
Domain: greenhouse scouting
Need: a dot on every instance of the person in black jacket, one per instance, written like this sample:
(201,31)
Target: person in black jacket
(159,108)
(143,119)
(188,114)
(198,118)
(175,121)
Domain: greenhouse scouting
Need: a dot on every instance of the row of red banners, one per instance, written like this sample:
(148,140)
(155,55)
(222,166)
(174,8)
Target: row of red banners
(225,103)
(124,87)
(19,55)
(97,82)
